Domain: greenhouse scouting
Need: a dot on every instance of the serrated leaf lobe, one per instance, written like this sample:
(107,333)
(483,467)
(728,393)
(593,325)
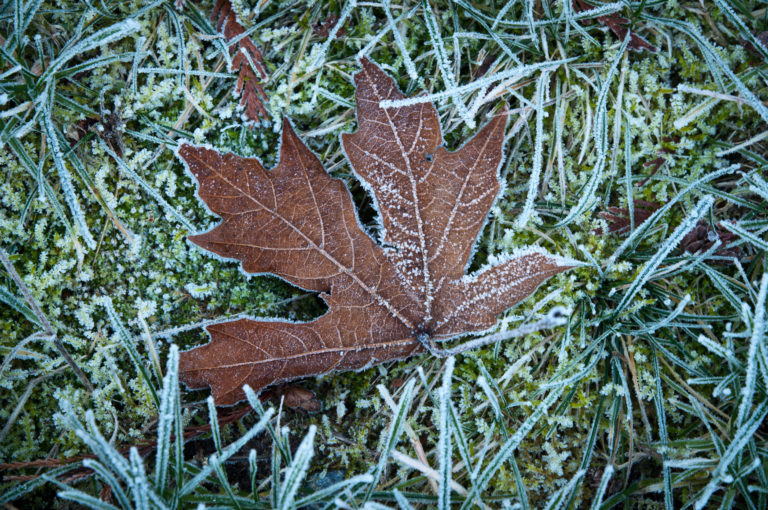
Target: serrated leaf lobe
(297,222)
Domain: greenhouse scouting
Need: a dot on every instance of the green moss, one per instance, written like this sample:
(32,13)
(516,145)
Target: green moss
(145,265)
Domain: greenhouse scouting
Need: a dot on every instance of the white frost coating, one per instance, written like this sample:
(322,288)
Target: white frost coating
(24,14)
(652,219)
(131,174)
(588,193)
(716,348)
(409,66)
(508,448)
(168,397)
(496,260)
(445,65)
(485,81)
(542,90)
(743,29)
(129,471)
(742,145)
(128,342)
(502,13)
(23,107)
(672,241)
(559,498)
(14,352)
(529,5)
(661,418)
(707,93)
(367,48)
(394,432)
(106,453)
(602,10)
(103,37)
(761,186)
(297,470)
(171,332)
(200,290)
(345,12)
(557,381)
(106,475)
(490,34)
(743,435)
(715,61)
(722,389)
(206,74)
(65,178)
(744,234)
(336,99)
(141,490)
(557,316)
(483,383)
(401,500)
(692,463)
(213,419)
(758,330)
(444,448)
(487,95)
(230,450)
(666,320)
(598,499)
(724,287)
(425,470)
(695,112)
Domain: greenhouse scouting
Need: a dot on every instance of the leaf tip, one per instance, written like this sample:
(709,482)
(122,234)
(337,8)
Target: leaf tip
(370,72)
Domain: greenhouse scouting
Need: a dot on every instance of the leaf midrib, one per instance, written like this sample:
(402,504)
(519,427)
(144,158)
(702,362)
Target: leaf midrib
(379,345)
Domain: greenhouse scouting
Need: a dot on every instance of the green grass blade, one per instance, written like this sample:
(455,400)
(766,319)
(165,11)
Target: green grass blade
(296,471)
(393,433)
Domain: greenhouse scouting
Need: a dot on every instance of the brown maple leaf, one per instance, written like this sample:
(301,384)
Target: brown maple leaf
(385,301)
(245,57)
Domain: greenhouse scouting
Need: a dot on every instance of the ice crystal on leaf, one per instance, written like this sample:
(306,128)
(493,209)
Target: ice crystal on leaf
(386,301)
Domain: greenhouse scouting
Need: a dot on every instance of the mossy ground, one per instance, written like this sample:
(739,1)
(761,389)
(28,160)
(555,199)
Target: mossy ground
(157,281)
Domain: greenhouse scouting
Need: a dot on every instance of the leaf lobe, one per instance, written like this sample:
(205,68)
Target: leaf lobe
(297,222)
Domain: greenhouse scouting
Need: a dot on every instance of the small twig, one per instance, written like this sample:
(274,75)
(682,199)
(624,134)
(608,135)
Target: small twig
(43,319)
(557,316)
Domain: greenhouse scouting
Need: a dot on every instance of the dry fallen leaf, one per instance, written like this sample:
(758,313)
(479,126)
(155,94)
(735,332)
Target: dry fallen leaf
(295,397)
(246,61)
(703,237)
(386,300)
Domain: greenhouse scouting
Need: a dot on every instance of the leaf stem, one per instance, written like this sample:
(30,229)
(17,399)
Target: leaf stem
(557,316)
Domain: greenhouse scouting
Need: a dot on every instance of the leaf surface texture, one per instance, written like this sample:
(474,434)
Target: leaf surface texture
(384,296)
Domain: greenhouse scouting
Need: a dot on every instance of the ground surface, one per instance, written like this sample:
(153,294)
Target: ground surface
(648,166)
